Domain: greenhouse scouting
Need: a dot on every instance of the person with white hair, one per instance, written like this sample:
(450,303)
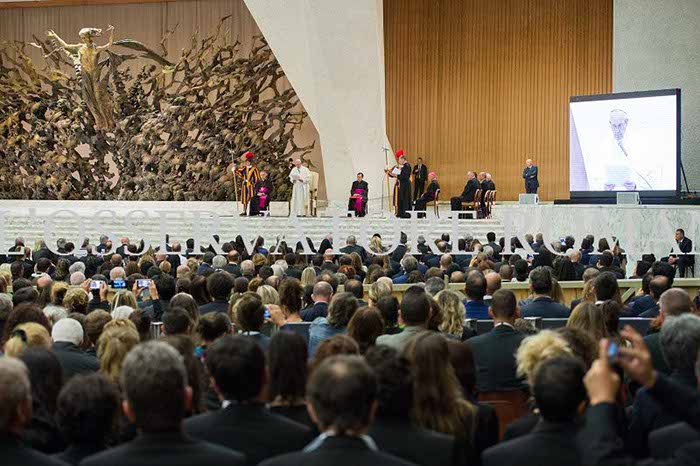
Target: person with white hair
(219,262)
(77,278)
(248,268)
(122,312)
(77,267)
(300,176)
(68,336)
(117,273)
(55,313)
(277,270)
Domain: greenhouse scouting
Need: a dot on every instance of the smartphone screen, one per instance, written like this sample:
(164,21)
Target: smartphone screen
(119,284)
(267,314)
(96,284)
(612,352)
(143,283)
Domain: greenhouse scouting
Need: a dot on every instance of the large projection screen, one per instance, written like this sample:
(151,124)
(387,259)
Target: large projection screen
(625,142)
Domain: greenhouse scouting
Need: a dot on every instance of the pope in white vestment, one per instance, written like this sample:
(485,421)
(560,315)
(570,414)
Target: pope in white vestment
(627,162)
(300,176)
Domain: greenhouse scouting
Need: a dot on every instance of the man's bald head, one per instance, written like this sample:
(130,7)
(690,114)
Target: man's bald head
(322,292)
(493,283)
(658,286)
(675,302)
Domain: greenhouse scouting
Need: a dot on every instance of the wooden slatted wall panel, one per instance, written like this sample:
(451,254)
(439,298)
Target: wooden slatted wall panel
(484,84)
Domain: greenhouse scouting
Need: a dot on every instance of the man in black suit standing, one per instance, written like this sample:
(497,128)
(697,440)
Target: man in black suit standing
(157,398)
(467,194)
(237,365)
(15,415)
(561,398)
(684,261)
(392,429)
(420,174)
(530,177)
(494,352)
(342,395)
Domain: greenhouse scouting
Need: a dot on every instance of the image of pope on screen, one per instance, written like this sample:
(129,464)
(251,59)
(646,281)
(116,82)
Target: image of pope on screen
(625,144)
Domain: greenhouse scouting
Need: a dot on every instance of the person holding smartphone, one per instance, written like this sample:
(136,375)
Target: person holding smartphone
(97,290)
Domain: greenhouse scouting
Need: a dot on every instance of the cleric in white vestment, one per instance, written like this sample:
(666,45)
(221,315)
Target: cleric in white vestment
(300,176)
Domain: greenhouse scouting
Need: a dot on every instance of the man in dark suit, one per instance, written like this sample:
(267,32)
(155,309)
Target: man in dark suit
(15,415)
(561,398)
(232,267)
(530,176)
(429,195)
(664,442)
(341,393)
(420,174)
(358,291)
(328,261)
(543,305)
(154,384)
(680,342)
(219,285)
(657,287)
(321,295)
(67,335)
(672,303)
(475,289)
(244,424)
(684,261)
(352,246)
(494,352)
(467,194)
(491,238)
(605,448)
(392,429)
(606,263)
(644,301)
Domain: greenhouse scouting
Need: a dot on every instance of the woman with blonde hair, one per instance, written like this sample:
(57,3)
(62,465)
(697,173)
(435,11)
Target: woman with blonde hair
(268,295)
(123,298)
(117,339)
(58,293)
(28,335)
(438,401)
(375,244)
(453,313)
(378,290)
(308,276)
(537,348)
(165,267)
(591,318)
(76,300)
